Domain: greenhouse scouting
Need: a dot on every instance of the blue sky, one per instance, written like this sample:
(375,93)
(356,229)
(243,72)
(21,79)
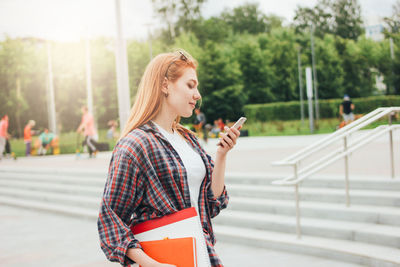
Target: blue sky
(73,19)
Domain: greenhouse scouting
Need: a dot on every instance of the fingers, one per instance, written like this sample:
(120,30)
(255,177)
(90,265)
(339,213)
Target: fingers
(228,139)
(232,132)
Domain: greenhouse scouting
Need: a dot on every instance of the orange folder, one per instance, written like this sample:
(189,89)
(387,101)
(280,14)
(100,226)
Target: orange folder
(179,225)
(177,251)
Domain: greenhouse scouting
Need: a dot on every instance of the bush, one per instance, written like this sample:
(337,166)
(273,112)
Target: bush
(329,108)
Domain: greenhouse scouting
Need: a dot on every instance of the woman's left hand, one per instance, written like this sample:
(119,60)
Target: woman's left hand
(228,139)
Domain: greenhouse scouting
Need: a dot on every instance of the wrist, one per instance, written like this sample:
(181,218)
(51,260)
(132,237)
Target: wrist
(221,154)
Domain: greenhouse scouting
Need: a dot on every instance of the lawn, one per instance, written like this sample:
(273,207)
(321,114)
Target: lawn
(69,141)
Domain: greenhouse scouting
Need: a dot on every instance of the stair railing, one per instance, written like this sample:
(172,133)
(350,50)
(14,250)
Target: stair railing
(342,152)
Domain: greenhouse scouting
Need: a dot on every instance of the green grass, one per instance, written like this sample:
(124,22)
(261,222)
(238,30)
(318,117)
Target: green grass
(275,128)
(68,141)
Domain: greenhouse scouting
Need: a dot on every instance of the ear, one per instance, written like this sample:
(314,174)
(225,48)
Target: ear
(164,87)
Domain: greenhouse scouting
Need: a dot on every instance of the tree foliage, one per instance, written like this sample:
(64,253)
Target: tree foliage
(245,57)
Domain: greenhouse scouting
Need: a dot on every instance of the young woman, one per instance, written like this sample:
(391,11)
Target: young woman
(158,167)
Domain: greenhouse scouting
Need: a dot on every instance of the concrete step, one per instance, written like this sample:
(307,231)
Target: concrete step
(363,232)
(367,197)
(54,178)
(356,182)
(78,172)
(67,210)
(343,250)
(313,209)
(54,187)
(90,202)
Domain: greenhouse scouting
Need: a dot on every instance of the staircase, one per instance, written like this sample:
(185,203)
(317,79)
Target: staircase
(259,214)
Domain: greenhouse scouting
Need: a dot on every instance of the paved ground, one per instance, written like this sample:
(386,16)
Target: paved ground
(253,155)
(32,238)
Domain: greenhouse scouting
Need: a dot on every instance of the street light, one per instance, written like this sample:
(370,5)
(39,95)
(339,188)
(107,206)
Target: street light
(51,106)
(300,84)
(314,72)
(122,71)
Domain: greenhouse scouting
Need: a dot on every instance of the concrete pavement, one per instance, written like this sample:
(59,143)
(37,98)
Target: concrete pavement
(33,238)
(30,238)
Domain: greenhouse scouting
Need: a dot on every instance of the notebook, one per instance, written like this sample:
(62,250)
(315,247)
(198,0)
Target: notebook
(184,223)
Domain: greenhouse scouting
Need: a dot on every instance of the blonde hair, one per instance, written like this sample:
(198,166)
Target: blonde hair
(149,96)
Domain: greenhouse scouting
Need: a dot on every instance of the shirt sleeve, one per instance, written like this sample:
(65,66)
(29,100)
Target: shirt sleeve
(122,194)
(216,204)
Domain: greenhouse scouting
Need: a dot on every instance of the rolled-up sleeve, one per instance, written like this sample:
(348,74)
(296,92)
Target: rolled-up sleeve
(122,194)
(215,204)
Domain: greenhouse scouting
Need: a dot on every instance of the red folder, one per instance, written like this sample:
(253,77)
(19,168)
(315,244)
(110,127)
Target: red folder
(182,224)
(177,251)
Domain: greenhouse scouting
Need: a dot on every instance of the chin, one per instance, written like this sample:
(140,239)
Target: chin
(187,114)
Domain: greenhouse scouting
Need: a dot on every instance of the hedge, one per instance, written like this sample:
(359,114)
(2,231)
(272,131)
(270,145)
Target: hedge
(329,108)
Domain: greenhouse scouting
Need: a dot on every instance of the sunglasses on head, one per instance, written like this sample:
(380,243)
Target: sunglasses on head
(181,56)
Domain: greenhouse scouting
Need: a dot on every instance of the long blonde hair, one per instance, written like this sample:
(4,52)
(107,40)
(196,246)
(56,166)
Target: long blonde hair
(149,96)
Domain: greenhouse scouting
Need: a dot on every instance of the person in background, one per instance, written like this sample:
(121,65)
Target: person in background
(215,130)
(346,109)
(46,138)
(112,131)
(87,127)
(3,134)
(200,124)
(221,124)
(28,132)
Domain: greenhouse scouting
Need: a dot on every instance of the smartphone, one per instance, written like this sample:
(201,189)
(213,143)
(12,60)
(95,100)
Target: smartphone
(237,124)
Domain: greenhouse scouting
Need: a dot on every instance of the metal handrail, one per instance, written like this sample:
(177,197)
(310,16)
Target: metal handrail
(348,129)
(345,132)
(290,179)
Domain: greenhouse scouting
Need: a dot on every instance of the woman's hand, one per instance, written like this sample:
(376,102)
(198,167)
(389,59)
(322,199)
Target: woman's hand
(228,140)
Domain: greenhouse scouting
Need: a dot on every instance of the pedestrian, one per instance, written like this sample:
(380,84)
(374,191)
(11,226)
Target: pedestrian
(112,130)
(87,128)
(200,123)
(3,134)
(158,166)
(28,132)
(346,109)
(46,138)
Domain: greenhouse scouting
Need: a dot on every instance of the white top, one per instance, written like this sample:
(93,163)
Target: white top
(194,165)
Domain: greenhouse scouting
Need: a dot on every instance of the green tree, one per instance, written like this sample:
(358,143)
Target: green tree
(348,20)
(339,17)
(220,84)
(329,69)
(319,17)
(254,67)
(283,63)
(359,61)
(178,15)
(214,29)
(22,82)
(249,18)
(393,22)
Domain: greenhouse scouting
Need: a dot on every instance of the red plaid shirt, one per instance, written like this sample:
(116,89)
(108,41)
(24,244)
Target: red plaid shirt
(147,180)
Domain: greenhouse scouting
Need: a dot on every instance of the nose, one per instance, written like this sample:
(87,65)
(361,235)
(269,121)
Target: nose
(196,95)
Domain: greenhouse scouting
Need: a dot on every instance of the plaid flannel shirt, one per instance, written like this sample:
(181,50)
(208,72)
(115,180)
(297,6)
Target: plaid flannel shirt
(147,180)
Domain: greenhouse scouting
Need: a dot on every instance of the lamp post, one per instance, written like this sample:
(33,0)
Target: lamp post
(122,71)
(300,84)
(314,72)
(310,96)
(51,106)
